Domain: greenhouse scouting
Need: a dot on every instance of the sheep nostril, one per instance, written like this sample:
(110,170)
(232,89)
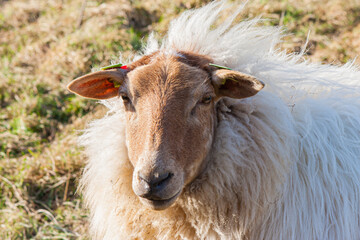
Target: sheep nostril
(154,183)
(162,179)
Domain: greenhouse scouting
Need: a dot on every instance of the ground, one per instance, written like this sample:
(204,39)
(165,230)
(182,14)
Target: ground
(46,44)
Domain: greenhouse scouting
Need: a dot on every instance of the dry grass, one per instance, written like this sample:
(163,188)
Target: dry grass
(45,44)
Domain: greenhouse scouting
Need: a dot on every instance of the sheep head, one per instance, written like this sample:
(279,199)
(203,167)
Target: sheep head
(169,100)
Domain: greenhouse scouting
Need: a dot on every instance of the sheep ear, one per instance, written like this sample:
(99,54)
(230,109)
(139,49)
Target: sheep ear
(235,84)
(98,85)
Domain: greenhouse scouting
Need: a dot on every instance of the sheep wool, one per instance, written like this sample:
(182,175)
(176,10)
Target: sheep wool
(284,164)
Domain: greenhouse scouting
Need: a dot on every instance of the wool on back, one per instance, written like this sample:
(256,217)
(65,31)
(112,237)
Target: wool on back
(284,163)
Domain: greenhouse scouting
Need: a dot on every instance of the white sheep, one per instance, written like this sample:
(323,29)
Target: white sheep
(281,164)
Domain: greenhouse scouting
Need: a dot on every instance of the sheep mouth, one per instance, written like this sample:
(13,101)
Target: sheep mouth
(160,204)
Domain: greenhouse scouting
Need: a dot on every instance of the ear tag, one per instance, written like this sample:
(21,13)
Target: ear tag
(232,79)
(219,66)
(116,84)
(223,67)
(119,65)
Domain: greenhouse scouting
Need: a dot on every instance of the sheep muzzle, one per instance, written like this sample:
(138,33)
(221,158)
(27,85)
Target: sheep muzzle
(157,189)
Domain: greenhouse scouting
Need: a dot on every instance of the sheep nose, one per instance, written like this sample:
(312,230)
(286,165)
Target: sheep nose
(157,181)
(154,183)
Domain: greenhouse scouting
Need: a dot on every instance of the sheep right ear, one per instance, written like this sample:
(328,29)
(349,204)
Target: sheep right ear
(98,85)
(235,84)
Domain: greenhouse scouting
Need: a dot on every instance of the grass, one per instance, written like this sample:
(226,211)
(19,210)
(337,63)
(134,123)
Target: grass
(45,44)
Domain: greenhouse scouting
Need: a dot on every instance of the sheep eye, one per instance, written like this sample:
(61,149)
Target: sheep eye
(125,98)
(127,103)
(206,100)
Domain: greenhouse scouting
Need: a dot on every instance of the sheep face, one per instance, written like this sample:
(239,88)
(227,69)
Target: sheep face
(169,130)
(169,103)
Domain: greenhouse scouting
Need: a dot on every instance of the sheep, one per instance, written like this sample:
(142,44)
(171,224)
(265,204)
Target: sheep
(266,147)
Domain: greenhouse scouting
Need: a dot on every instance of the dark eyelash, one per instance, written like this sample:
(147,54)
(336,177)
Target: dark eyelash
(125,98)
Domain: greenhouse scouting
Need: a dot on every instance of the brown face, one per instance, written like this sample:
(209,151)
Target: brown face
(170,121)
(170,113)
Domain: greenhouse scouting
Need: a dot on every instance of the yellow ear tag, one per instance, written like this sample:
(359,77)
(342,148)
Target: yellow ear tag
(223,67)
(116,84)
(219,66)
(112,66)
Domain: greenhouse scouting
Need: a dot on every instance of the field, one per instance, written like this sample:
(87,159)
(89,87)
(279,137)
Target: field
(46,44)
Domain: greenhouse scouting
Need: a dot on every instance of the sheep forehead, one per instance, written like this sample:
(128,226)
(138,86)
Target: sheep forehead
(167,77)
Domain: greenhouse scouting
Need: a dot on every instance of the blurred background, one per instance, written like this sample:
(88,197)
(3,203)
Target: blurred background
(46,44)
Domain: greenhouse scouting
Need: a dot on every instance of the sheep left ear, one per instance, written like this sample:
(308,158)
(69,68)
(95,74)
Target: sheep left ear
(98,85)
(229,83)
